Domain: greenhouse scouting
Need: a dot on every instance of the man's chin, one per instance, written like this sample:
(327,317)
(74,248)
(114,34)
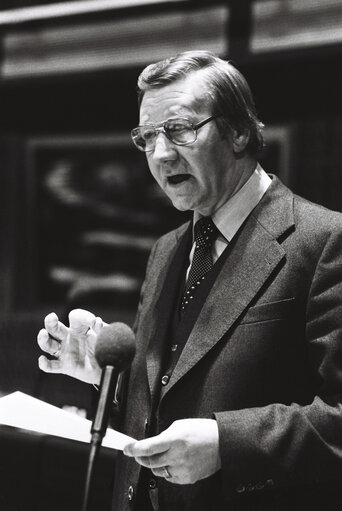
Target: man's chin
(181,205)
(191,206)
(183,200)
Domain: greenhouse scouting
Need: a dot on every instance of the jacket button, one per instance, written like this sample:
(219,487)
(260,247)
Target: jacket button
(130,493)
(174,347)
(152,484)
(269,483)
(241,488)
(146,426)
(165,379)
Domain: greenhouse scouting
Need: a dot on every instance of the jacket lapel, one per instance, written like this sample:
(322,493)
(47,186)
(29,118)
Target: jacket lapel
(254,257)
(164,307)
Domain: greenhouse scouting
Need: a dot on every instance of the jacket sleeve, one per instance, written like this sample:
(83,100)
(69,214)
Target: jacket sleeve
(282,445)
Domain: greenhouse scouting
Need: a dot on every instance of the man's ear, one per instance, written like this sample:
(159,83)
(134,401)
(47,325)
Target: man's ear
(240,140)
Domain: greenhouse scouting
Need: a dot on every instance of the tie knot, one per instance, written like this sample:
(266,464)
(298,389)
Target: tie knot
(205,232)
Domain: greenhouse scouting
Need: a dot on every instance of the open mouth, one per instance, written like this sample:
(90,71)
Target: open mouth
(178,178)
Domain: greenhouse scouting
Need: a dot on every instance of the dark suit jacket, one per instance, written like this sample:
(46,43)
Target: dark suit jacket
(264,358)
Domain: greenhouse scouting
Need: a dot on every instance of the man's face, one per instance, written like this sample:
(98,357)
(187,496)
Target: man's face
(202,175)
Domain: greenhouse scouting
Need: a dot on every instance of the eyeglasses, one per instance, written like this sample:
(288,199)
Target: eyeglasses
(179,130)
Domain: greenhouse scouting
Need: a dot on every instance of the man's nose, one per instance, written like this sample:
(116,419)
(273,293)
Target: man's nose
(164,149)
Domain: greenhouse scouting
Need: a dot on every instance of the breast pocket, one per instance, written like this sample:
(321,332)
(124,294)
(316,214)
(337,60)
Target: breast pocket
(270,311)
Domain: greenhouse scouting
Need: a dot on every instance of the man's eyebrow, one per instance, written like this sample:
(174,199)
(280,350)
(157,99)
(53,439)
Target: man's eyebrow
(171,117)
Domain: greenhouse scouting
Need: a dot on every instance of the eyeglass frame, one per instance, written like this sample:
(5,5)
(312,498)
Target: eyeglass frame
(159,128)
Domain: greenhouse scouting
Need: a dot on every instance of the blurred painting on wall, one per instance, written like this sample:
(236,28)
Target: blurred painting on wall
(95,214)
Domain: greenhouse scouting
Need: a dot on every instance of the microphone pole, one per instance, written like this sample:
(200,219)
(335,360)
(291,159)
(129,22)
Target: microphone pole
(114,351)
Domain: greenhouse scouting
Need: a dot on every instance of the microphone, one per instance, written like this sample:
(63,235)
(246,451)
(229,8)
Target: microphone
(114,351)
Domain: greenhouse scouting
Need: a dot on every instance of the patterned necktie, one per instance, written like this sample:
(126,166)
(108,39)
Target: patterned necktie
(205,234)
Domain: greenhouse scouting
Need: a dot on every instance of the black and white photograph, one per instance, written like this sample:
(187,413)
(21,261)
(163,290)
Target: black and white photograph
(171,262)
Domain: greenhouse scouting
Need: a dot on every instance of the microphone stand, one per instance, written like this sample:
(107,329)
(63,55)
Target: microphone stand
(107,389)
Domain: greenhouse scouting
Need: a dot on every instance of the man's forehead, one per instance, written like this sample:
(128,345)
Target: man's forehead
(177,98)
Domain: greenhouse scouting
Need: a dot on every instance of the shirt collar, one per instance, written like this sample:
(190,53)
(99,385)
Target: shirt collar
(231,215)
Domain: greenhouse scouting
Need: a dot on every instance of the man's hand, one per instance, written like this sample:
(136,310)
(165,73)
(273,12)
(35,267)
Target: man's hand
(188,449)
(73,347)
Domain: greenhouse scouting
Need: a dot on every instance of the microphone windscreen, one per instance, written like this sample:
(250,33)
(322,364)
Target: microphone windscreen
(115,346)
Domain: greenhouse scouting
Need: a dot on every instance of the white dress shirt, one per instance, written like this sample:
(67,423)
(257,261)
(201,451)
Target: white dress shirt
(231,215)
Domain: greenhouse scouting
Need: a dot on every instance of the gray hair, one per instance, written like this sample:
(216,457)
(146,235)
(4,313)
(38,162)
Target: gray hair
(227,88)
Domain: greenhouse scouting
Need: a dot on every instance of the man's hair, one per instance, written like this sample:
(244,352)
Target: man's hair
(230,95)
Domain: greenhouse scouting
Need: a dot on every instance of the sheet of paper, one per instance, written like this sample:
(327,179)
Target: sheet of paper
(26,412)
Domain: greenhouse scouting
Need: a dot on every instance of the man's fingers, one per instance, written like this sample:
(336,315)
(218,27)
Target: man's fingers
(81,321)
(46,343)
(54,327)
(49,366)
(147,447)
(154,462)
(98,325)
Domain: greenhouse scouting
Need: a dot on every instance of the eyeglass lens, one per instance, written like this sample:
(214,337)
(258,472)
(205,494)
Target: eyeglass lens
(179,131)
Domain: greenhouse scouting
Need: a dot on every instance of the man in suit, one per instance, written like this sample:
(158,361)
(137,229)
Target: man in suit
(234,395)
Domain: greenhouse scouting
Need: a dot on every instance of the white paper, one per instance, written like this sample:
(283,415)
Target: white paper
(26,412)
